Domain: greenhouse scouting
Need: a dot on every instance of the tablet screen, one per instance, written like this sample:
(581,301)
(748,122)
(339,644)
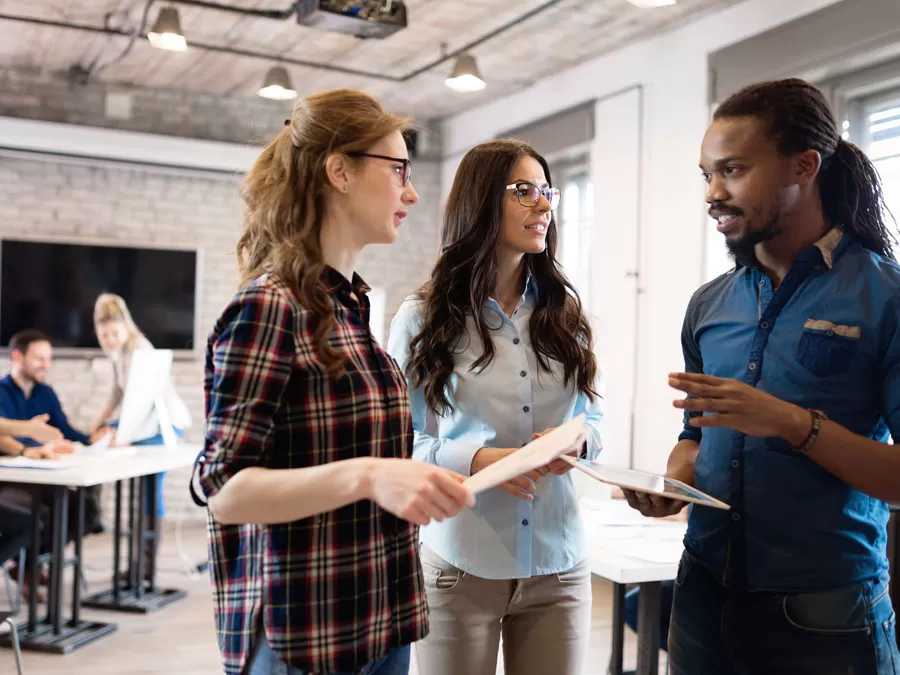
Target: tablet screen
(642,481)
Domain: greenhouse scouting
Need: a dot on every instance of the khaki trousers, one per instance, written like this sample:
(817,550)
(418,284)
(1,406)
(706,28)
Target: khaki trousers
(545,622)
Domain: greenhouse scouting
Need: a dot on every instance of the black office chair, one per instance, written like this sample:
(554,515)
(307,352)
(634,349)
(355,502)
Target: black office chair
(10,610)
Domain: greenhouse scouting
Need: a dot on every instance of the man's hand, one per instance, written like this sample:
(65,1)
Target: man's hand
(38,430)
(50,450)
(523,487)
(654,506)
(740,407)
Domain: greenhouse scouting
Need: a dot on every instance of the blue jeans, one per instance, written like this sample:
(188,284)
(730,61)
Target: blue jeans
(266,662)
(720,631)
(160,477)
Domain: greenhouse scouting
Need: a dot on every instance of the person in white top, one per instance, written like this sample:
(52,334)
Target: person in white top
(119,337)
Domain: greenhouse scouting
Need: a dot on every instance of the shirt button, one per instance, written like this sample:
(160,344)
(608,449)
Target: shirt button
(526,409)
(752,366)
(525,522)
(762,282)
(515,341)
(764,325)
(735,464)
(522,373)
(735,517)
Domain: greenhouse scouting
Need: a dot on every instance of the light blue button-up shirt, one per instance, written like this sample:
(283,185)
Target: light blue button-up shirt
(500,406)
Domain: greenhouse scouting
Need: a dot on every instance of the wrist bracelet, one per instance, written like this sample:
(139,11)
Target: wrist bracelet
(817,417)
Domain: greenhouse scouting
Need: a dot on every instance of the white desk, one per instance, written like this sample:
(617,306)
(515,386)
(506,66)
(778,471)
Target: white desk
(85,470)
(627,548)
(53,633)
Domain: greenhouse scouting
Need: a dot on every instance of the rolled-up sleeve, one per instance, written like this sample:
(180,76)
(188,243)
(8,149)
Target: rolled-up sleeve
(693,363)
(890,370)
(428,446)
(250,357)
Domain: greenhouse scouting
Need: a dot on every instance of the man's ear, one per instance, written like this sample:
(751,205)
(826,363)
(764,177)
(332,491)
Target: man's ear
(807,166)
(338,171)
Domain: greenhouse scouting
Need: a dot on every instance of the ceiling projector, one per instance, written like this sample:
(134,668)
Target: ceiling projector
(361,18)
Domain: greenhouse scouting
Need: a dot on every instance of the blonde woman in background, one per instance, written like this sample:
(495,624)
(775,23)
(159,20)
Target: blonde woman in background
(119,337)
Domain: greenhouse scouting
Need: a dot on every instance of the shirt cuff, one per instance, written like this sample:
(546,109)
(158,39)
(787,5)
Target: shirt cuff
(457,456)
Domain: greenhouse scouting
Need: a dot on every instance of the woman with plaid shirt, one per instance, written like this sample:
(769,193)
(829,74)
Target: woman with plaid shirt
(314,502)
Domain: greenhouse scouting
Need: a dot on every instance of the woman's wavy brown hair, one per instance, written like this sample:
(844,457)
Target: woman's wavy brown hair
(284,197)
(465,276)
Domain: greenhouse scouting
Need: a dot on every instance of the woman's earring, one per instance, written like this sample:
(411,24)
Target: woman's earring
(345,189)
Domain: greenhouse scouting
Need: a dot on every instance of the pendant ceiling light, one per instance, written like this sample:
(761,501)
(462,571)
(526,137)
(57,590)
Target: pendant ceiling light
(166,32)
(277,85)
(465,76)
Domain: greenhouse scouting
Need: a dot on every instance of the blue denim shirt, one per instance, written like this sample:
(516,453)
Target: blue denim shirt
(828,338)
(14,405)
(500,406)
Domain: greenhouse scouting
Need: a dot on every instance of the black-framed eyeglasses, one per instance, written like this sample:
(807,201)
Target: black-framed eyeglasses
(405,173)
(530,194)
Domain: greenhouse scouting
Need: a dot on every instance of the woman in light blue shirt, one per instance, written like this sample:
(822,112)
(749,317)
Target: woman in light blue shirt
(497,351)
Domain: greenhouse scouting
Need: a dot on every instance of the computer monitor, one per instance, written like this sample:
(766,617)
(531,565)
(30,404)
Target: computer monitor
(144,414)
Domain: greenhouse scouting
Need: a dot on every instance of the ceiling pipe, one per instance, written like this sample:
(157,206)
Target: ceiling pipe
(276,14)
(106,30)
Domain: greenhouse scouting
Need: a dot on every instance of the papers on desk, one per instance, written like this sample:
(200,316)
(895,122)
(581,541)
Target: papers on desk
(539,452)
(28,463)
(651,547)
(614,527)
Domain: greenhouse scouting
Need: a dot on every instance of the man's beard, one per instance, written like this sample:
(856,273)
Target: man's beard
(743,250)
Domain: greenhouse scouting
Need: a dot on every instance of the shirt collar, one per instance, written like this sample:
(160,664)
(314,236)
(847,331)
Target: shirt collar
(828,244)
(829,248)
(531,288)
(335,282)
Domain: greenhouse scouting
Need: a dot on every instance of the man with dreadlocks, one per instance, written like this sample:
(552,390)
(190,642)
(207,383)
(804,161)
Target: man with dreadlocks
(793,392)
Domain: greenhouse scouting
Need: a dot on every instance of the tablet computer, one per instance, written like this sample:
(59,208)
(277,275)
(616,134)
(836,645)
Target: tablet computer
(642,481)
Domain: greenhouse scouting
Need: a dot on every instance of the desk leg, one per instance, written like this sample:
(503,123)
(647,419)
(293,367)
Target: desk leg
(117,542)
(34,560)
(648,628)
(57,562)
(618,630)
(135,595)
(79,557)
(55,634)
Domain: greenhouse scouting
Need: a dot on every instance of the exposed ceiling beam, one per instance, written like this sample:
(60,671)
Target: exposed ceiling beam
(224,49)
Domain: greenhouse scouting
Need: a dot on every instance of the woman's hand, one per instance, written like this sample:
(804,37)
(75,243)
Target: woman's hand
(560,467)
(524,486)
(417,491)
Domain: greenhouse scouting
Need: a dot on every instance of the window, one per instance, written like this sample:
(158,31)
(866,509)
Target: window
(873,123)
(574,218)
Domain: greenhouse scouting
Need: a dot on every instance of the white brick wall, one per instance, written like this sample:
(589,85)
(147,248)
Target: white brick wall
(123,204)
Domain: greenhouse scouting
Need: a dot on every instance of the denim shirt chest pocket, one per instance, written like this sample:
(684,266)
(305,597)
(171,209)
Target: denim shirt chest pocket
(827,348)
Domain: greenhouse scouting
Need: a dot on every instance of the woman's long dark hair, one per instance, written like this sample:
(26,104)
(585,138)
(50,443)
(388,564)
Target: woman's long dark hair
(799,118)
(465,275)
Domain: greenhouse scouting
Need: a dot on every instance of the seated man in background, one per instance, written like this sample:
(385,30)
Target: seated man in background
(24,395)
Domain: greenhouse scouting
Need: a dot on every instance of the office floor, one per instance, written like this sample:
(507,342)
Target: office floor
(180,637)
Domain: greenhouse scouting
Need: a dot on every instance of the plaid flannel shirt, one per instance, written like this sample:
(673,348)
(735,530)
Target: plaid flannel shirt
(338,590)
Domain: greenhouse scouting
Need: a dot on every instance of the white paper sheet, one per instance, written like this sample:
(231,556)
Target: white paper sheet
(28,463)
(541,451)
